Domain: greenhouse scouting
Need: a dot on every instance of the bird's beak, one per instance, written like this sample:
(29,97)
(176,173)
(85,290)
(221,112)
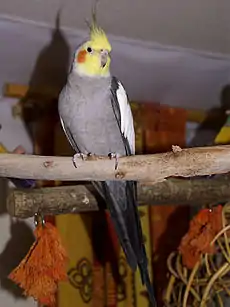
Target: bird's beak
(104,58)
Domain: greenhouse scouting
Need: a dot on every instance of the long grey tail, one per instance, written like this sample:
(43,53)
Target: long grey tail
(120,198)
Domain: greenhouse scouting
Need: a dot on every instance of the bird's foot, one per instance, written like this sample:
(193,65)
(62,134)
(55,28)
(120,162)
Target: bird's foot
(114,155)
(81,155)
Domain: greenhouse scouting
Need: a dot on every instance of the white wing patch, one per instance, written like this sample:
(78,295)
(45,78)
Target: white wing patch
(63,126)
(67,134)
(127,127)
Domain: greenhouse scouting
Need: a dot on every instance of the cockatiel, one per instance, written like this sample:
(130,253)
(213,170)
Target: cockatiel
(96,117)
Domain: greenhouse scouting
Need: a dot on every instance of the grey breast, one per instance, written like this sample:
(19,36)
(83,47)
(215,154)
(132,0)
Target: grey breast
(86,109)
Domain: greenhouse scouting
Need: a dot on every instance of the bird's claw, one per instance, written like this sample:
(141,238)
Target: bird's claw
(113,155)
(80,155)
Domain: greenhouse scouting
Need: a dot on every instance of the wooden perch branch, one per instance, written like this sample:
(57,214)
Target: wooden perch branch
(155,168)
(72,199)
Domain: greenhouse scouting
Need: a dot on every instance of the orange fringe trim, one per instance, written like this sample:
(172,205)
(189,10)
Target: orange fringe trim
(203,228)
(43,267)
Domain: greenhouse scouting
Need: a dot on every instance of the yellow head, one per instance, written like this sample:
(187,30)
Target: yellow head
(93,58)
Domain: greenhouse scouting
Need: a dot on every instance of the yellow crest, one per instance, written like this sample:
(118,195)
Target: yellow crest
(98,37)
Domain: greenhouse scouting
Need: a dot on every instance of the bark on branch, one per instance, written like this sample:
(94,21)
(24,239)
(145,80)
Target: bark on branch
(155,168)
(72,199)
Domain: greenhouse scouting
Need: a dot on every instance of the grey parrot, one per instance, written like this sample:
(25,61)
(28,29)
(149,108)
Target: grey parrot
(96,117)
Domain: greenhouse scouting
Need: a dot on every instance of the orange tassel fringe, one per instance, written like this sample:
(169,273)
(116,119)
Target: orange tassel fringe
(43,267)
(203,228)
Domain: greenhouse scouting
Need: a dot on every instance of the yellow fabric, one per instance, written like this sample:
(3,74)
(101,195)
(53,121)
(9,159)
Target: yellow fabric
(75,231)
(3,148)
(223,136)
(125,298)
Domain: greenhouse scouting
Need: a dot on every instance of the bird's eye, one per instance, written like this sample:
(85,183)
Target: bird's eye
(89,49)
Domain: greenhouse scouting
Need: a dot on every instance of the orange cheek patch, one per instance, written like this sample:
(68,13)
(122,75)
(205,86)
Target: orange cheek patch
(81,56)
